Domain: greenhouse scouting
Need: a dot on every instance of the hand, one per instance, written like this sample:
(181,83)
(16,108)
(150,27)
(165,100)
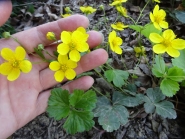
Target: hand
(24,99)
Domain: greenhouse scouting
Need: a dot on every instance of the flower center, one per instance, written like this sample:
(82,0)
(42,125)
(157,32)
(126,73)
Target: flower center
(15,64)
(72,45)
(166,43)
(63,67)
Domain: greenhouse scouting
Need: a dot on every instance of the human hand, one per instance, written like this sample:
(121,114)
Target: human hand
(24,99)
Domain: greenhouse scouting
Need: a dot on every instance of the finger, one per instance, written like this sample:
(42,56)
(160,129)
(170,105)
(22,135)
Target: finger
(82,83)
(87,62)
(95,38)
(37,35)
(5,10)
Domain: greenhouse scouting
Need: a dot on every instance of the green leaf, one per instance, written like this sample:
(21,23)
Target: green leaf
(76,107)
(169,87)
(166,109)
(137,28)
(81,100)
(117,76)
(176,74)
(121,99)
(58,104)
(154,102)
(110,116)
(149,28)
(146,30)
(179,61)
(158,68)
(78,121)
(131,89)
(180,15)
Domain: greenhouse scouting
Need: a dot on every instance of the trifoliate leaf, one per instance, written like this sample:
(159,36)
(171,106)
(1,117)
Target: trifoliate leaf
(137,28)
(58,104)
(131,89)
(154,102)
(78,121)
(117,76)
(81,100)
(76,107)
(110,116)
(166,109)
(121,99)
(176,74)
(155,94)
(169,87)
(179,61)
(158,68)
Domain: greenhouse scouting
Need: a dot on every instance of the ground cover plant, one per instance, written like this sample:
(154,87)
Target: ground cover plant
(111,108)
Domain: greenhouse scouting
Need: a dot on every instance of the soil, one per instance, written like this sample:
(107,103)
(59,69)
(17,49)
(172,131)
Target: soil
(143,126)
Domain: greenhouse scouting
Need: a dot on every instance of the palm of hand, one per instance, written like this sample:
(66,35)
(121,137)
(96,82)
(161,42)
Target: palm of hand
(24,99)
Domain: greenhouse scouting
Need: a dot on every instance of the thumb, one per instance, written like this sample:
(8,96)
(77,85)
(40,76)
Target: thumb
(5,10)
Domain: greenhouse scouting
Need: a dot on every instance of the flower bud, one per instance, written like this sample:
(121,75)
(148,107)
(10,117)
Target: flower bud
(6,35)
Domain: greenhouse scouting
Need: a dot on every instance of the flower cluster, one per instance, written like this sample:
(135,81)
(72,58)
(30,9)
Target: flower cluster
(15,63)
(165,42)
(73,43)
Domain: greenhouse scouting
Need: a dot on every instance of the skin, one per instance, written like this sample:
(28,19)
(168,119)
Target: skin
(24,99)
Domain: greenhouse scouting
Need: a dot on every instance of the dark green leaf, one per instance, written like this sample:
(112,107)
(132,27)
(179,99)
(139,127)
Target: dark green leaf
(110,116)
(180,15)
(165,109)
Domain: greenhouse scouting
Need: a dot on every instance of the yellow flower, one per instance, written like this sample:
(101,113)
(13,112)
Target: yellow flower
(87,9)
(122,10)
(167,43)
(73,43)
(158,1)
(15,63)
(118,26)
(64,67)
(158,18)
(50,36)
(140,51)
(117,2)
(115,42)
(65,15)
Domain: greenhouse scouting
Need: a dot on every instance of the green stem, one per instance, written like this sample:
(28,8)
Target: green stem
(142,11)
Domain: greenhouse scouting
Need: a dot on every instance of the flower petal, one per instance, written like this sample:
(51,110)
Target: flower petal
(20,53)
(178,44)
(14,74)
(169,35)
(5,68)
(156,10)
(7,54)
(71,64)
(59,76)
(156,25)
(112,35)
(54,66)
(63,49)
(118,40)
(62,59)
(163,24)
(70,74)
(66,37)
(155,38)
(82,47)
(159,48)
(25,66)
(118,50)
(173,52)
(152,17)
(74,55)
